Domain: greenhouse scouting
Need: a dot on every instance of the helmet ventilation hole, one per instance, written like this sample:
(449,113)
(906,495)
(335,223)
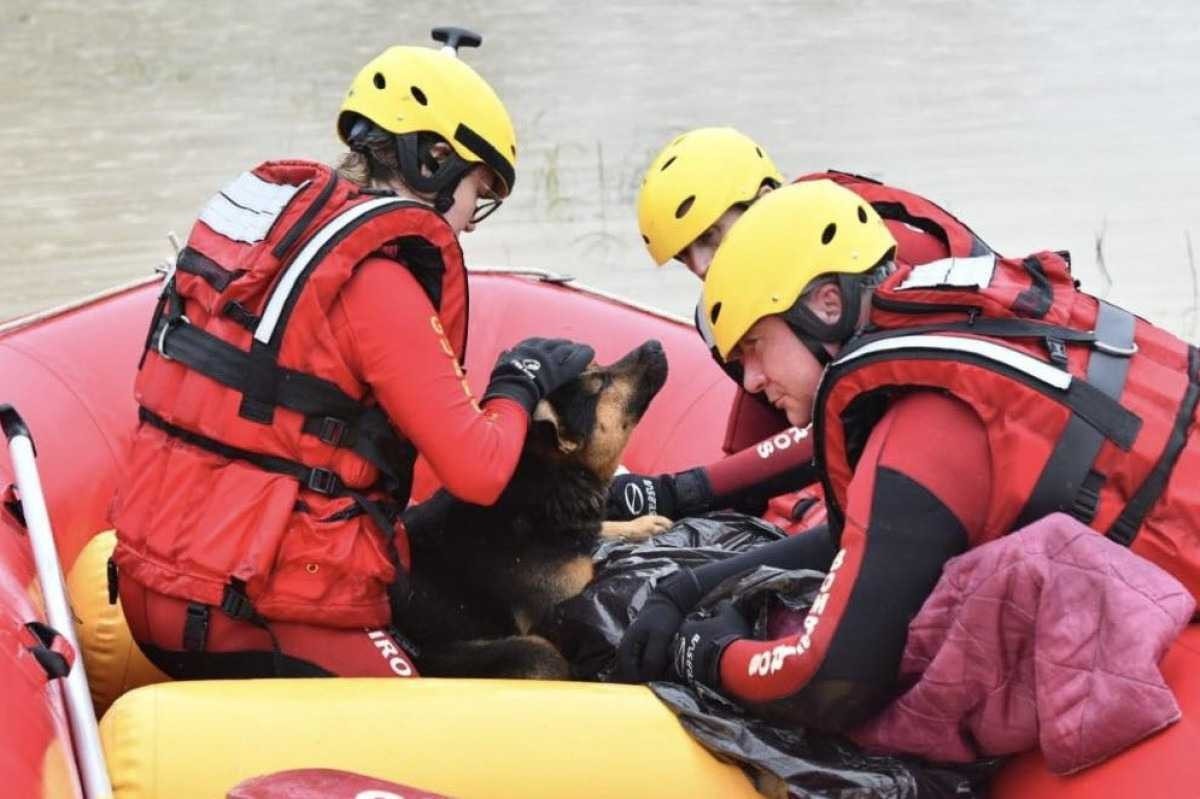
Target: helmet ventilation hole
(759,151)
(670,161)
(513,147)
(829,232)
(419,95)
(646,239)
(862,214)
(684,207)
(714,313)
(380,82)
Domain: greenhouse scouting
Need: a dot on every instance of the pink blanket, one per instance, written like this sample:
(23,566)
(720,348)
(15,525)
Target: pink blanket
(1049,637)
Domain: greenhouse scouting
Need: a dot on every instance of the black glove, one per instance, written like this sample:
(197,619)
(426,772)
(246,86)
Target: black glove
(642,653)
(672,495)
(535,368)
(697,648)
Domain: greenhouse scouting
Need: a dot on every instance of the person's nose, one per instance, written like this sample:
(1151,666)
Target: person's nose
(753,379)
(701,259)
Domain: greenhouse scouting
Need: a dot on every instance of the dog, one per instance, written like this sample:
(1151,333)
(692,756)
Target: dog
(482,577)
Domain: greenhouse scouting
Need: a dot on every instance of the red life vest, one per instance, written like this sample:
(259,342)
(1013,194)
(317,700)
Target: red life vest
(263,478)
(924,232)
(1087,409)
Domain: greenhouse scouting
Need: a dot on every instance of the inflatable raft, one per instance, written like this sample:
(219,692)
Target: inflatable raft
(70,374)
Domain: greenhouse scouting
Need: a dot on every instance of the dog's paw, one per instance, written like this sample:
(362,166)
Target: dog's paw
(638,529)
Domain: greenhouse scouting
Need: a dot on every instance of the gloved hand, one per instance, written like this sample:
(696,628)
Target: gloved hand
(535,368)
(642,653)
(697,648)
(674,496)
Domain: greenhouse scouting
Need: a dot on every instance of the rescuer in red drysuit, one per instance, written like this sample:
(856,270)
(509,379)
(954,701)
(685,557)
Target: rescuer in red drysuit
(307,347)
(951,404)
(692,193)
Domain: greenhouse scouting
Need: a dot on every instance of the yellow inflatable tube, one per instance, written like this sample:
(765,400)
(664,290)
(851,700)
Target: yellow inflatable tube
(485,739)
(113,662)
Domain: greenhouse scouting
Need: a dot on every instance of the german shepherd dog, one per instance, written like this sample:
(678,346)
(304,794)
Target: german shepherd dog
(483,577)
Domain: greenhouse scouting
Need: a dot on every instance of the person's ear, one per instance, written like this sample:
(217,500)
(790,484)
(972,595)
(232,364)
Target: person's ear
(827,303)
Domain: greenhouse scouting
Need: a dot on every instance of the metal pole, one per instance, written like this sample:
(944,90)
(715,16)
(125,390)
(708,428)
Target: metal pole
(84,731)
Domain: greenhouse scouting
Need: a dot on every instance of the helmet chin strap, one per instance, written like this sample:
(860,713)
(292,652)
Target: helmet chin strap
(801,318)
(444,176)
(817,348)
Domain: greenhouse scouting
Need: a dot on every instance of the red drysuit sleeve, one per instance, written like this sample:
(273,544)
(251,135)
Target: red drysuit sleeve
(919,494)
(770,458)
(398,348)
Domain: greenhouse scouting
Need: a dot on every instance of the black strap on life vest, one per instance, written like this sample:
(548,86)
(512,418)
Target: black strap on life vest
(235,603)
(1091,406)
(1103,413)
(314,478)
(331,415)
(1068,481)
(237,606)
(1125,528)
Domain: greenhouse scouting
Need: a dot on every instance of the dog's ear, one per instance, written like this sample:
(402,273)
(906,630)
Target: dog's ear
(547,427)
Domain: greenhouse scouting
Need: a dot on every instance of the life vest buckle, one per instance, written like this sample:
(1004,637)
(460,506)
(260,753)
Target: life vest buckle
(167,325)
(323,481)
(333,430)
(195,627)
(236,605)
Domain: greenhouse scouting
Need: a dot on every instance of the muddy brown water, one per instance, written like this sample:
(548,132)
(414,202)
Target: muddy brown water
(1068,125)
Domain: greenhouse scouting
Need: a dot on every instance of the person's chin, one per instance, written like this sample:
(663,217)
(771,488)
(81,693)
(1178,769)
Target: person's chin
(798,414)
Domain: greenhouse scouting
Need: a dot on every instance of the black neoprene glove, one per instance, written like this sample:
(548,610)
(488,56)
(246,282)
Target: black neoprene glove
(672,495)
(535,368)
(697,648)
(644,649)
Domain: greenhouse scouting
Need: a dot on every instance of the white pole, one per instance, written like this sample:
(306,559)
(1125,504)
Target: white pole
(86,733)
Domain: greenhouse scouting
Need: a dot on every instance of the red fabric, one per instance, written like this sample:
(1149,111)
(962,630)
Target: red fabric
(188,520)
(786,450)
(798,511)
(910,218)
(158,620)
(324,783)
(1023,417)
(760,671)
(420,384)
(1050,637)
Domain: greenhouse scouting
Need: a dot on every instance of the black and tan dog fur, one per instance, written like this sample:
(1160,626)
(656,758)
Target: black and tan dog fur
(482,577)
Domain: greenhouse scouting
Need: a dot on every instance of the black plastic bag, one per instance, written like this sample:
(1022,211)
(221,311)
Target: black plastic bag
(588,627)
(784,759)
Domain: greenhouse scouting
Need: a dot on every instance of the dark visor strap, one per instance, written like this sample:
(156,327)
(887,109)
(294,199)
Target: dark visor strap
(490,155)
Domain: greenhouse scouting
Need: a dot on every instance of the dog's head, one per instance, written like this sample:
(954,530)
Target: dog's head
(590,419)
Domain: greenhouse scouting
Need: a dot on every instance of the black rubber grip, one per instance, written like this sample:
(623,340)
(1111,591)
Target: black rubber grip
(14,425)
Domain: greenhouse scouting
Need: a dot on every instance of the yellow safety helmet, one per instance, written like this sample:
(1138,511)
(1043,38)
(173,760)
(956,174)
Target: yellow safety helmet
(774,252)
(413,90)
(696,178)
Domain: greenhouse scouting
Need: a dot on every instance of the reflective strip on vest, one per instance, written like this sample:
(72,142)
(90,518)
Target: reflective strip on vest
(247,207)
(287,282)
(975,271)
(1013,359)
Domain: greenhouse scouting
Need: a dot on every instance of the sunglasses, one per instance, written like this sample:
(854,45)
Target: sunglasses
(485,207)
